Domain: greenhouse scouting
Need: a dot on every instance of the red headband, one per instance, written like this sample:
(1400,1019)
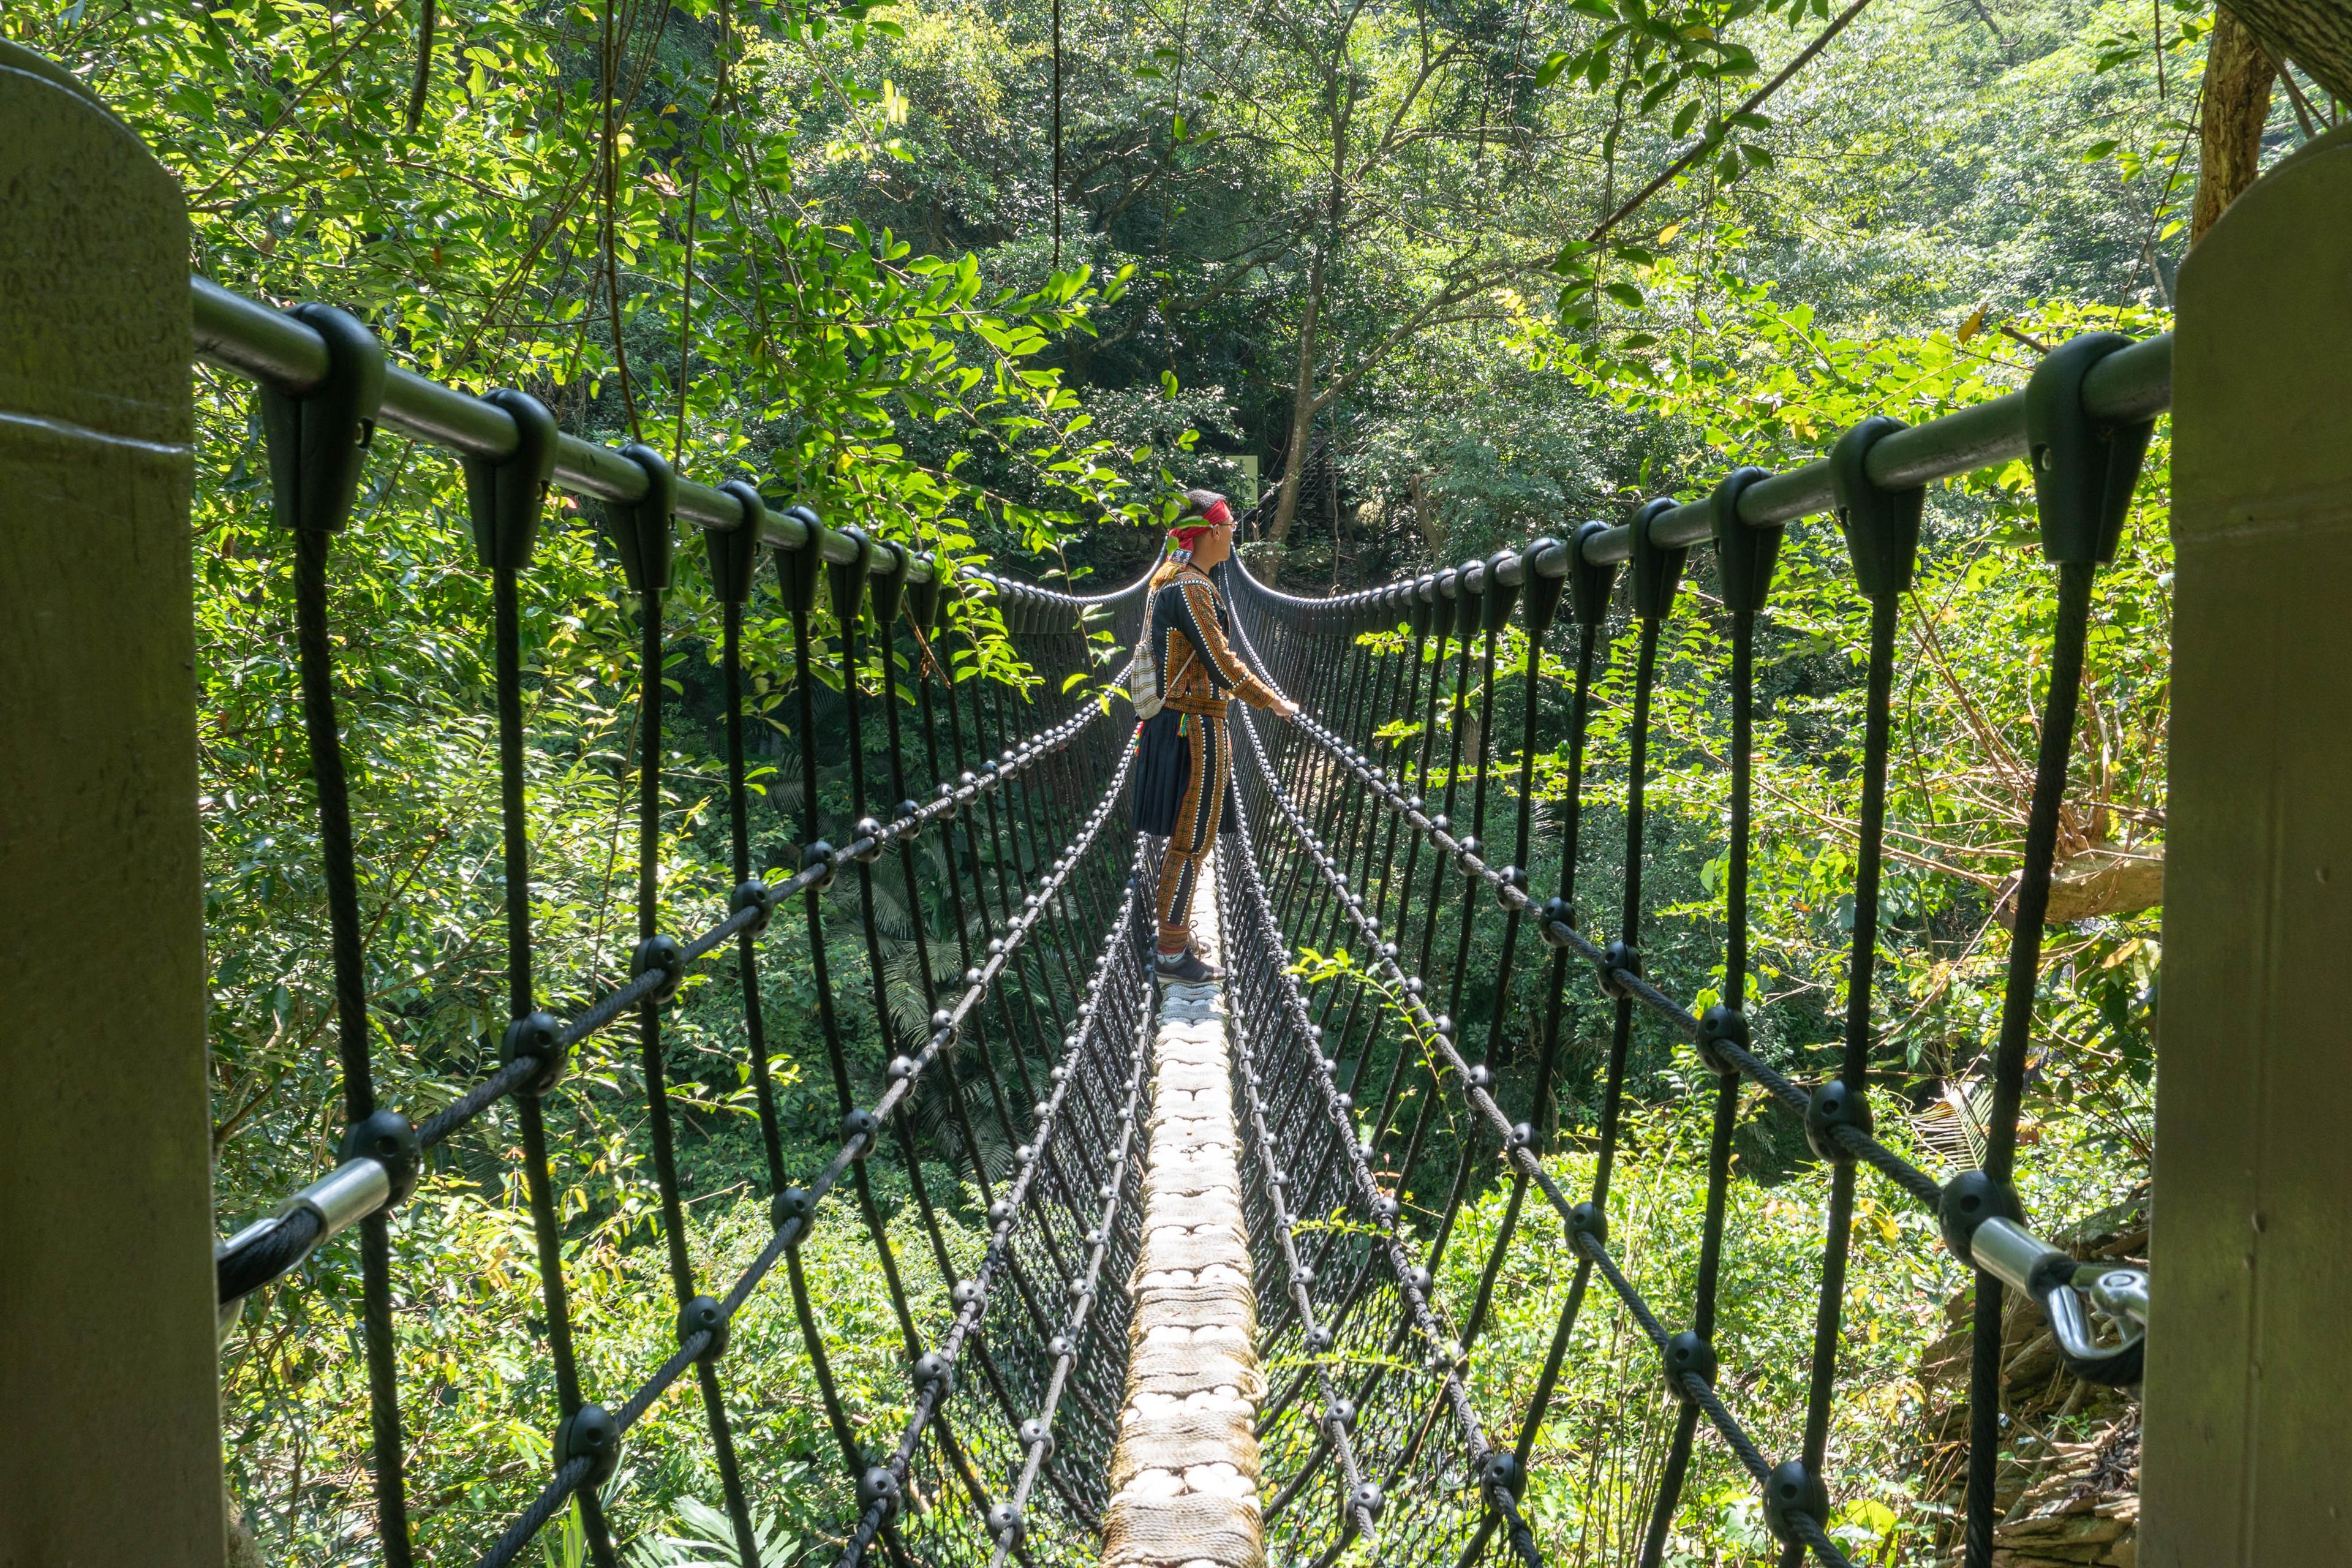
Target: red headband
(1188,533)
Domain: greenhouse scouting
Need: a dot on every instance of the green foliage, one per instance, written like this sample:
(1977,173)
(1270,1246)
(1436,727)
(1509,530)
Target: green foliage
(825,248)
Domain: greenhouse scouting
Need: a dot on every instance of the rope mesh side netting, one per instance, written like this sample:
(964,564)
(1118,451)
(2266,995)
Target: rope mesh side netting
(1366,1118)
(1375,827)
(1012,1418)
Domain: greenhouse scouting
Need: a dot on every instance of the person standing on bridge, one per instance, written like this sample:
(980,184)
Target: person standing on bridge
(1183,751)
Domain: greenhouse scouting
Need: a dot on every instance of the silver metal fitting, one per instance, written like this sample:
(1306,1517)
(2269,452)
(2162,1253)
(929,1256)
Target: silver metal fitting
(343,1196)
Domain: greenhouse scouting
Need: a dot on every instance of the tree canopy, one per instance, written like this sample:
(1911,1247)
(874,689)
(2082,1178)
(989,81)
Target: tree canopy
(996,278)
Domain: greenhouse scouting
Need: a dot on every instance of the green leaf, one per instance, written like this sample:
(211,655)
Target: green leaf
(1554,63)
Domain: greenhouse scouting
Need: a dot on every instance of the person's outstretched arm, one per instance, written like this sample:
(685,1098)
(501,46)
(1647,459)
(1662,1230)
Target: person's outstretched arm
(1198,603)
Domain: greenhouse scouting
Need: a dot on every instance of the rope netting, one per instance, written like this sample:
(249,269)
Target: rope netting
(1375,1118)
(1025,779)
(1368,1118)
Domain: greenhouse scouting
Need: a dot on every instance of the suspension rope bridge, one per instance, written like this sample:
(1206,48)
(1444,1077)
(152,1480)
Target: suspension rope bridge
(1241,1292)
(1207,1324)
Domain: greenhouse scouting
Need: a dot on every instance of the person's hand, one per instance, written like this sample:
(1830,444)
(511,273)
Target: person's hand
(1283,708)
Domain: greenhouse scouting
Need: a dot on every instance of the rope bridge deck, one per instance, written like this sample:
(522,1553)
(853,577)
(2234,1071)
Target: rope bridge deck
(1202,1325)
(1187,1463)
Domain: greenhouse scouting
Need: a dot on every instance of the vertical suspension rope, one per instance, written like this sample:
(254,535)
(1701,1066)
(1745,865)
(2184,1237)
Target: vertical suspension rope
(315,656)
(2069,633)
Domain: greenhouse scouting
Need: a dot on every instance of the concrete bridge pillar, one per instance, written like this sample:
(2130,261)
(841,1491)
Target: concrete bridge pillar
(2247,1454)
(109,1428)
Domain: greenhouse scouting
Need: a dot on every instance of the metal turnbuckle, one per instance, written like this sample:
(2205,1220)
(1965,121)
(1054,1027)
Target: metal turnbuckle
(2080,1299)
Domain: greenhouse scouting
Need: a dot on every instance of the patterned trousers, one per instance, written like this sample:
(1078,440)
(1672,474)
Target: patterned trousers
(1197,819)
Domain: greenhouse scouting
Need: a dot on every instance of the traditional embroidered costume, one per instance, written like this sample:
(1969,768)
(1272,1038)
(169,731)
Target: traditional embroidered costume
(1181,765)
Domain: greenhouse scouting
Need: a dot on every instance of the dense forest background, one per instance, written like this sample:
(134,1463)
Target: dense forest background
(995,277)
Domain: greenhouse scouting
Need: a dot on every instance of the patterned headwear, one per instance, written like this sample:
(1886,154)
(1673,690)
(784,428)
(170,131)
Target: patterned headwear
(1204,511)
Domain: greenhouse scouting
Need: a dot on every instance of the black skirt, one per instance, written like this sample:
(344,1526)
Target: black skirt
(1163,766)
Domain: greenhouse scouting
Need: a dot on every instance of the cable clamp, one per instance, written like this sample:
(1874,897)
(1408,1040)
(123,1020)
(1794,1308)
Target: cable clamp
(1968,1200)
(1689,1355)
(880,1488)
(537,1037)
(887,586)
(2083,472)
(590,1433)
(735,552)
(1469,590)
(1835,1104)
(800,571)
(849,581)
(933,1367)
(703,1315)
(1881,526)
(1719,1026)
(389,1139)
(505,495)
(1503,1475)
(1618,958)
(638,530)
(1500,596)
(1744,556)
(789,1208)
(754,895)
(1657,568)
(860,1130)
(664,954)
(318,442)
(1794,1488)
(1541,588)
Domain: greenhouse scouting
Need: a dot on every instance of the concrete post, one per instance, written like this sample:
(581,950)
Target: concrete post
(109,1429)
(2247,1454)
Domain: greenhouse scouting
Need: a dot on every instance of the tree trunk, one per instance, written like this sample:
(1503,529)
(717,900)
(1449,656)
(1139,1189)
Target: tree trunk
(2237,105)
(2314,34)
(1425,517)
(1302,409)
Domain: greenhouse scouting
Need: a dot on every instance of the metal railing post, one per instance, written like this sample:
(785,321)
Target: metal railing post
(110,1448)
(2249,1368)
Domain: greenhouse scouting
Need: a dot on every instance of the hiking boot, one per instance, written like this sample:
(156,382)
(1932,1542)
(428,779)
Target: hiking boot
(1184,968)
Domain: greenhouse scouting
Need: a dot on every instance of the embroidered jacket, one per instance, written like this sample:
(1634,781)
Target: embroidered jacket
(1199,670)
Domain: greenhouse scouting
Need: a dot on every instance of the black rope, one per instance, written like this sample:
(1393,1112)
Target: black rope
(315,654)
(2071,632)
(1040,896)
(1382,1446)
(1315,881)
